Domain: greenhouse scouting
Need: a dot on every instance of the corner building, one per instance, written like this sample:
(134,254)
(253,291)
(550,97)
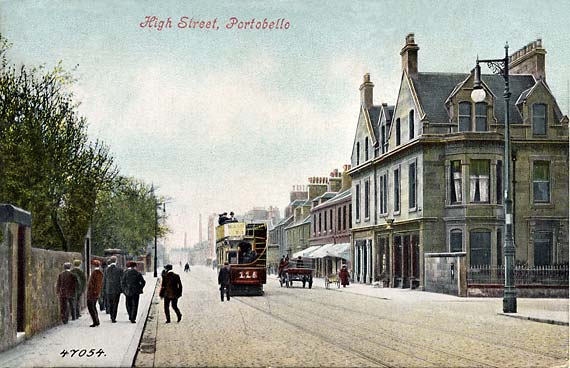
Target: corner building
(427,172)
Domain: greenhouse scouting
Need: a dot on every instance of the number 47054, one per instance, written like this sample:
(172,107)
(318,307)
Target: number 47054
(82,353)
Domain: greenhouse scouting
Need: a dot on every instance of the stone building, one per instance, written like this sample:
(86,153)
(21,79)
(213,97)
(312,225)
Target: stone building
(427,172)
(330,230)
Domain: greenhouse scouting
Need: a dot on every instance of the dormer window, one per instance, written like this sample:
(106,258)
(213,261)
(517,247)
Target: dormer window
(481,117)
(357,153)
(366,149)
(383,138)
(464,116)
(539,119)
(465,120)
(411,124)
(398,132)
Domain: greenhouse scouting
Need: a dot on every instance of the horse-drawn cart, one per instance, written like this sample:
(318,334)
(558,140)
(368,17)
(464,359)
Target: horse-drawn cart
(296,271)
(332,279)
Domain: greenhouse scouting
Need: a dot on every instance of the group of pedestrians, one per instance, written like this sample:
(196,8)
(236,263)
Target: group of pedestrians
(112,283)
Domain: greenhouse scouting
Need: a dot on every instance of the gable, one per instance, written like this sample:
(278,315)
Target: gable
(406,101)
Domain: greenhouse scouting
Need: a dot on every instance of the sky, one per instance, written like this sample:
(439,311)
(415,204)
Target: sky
(231,119)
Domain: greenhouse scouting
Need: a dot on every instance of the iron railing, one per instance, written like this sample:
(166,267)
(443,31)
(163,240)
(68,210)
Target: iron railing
(556,275)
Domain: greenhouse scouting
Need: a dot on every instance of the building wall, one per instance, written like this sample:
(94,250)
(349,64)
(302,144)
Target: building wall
(446,273)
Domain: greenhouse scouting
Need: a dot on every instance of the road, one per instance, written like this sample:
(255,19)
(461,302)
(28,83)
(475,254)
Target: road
(336,328)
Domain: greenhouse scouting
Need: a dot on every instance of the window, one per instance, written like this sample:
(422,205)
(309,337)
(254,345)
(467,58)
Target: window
(357,153)
(481,117)
(411,124)
(331,220)
(541,181)
(480,248)
(412,185)
(499,247)
(366,149)
(325,221)
(383,138)
(344,218)
(367,199)
(499,182)
(397,190)
(456,241)
(350,215)
(455,182)
(479,181)
(338,219)
(398,132)
(464,116)
(542,248)
(357,202)
(383,193)
(539,119)
(314,224)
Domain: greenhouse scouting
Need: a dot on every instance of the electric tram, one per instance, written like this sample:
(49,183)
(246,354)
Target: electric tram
(244,247)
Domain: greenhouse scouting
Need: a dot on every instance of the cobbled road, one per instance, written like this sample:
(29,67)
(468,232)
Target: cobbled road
(296,327)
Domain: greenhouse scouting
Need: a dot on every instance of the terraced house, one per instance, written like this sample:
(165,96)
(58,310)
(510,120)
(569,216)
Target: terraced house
(427,172)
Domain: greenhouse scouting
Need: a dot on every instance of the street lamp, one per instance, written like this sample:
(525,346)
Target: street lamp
(501,67)
(157,206)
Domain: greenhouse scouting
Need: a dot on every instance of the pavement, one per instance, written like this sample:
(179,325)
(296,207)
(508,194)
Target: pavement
(544,310)
(108,345)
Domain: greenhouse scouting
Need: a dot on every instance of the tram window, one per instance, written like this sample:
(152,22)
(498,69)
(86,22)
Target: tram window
(232,258)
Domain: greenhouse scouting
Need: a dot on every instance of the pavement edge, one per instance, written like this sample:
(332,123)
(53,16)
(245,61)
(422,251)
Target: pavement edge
(534,319)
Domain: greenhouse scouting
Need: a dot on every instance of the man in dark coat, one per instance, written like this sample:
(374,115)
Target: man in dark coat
(344,276)
(224,281)
(112,286)
(66,286)
(94,287)
(82,279)
(171,290)
(132,284)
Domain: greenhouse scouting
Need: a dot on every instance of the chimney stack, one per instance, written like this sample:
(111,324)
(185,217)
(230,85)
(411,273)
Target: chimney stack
(345,178)
(409,55)
(366,92)
(530,59)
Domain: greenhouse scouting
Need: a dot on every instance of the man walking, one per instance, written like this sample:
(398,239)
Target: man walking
(112,286)
(82,281)
(171,290)
(66,287)
(224,281)
(132,284)
(94,287)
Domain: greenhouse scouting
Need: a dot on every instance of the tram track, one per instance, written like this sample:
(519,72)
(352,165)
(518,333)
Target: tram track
(366,337)
(321,336)
(431,328)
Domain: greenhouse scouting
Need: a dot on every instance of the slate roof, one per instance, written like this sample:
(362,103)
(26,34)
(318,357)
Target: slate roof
(374,113)
(433,89)
(284,221)
(337,198)
(297,202)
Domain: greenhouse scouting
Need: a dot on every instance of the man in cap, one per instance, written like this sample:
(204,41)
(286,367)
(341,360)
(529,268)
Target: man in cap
(94,287)
(66,286)
(112,286)
(171,290)
(82,281)
(132,284)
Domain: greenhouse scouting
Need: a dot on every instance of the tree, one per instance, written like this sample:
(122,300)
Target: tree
(125,217)
(47,163)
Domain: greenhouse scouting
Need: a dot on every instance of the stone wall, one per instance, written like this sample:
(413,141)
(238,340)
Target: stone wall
(7,320)
(523,291)
(446,273)
(42,303)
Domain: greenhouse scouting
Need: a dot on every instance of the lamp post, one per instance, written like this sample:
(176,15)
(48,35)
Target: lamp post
(157,205)
(501,67)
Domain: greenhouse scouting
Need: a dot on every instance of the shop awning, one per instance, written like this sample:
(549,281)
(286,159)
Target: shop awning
(306,253)
(340,250)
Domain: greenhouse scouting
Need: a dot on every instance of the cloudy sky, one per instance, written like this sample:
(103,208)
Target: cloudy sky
(230,119)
